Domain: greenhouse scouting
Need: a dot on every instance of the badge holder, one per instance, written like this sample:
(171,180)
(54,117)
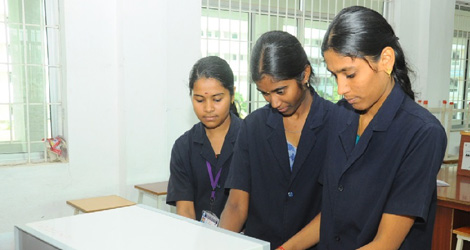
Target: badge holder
(209,218)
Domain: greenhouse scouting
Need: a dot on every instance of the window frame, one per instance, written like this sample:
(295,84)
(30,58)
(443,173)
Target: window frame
(52,124)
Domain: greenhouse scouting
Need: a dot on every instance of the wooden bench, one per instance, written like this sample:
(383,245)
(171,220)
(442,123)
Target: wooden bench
(155,189)
(99,203)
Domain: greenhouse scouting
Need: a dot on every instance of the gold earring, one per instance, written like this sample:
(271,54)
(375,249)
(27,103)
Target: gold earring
(389,72)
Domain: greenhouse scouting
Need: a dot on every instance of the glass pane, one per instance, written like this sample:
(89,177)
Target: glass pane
(34,11)
(34,45)
(37,84)
(263,23)
(3,43)
(18,123)
(17,86)
(16,46)
(2,12)
(327,88)
(204,47)
(13,152)
(457,69)
(5,123)
(4,82)
(52,51)
(37,124)
(53,88)
(257,99)
(15,11)
(38,147)
(52,12)
(291,4)
(255,4)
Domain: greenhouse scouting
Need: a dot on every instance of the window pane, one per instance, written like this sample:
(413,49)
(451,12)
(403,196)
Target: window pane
(4,82)
(3,43)
(37,126)
(264,23)
(53,90)
(257,99)
(18,123)
(16,51)
(2,12)
(15,11)
(17,87)
(52,10)
(34,11)
(457,69)
(37,84)
(52,51)
(5,123)
(35,54)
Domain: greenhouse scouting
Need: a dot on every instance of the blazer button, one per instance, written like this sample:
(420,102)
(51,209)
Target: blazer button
(290,194)
(340,188)
(337,238)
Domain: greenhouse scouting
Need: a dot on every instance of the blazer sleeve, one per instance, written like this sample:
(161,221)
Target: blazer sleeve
(180,185)
(414,185)
(239,176)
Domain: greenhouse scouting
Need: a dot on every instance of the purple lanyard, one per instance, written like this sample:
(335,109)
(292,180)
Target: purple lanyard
(213,182)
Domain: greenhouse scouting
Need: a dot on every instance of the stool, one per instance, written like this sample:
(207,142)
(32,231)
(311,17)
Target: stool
(99,203)
(463,233)
(156,189)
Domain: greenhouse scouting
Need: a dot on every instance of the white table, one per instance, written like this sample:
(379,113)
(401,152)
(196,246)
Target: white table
(134,227)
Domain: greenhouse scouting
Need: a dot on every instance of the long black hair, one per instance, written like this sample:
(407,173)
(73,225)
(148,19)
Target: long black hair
(359,32)
(281,56)
(216,68)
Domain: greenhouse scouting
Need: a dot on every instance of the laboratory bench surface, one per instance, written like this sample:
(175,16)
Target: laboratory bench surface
(453,208)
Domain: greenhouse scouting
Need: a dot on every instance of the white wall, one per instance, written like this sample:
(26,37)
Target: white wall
(156,51)
(425,30)
(127,63)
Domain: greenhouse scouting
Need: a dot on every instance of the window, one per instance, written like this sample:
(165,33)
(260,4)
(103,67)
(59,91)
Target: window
(246,20)
(30,79)
(459,92)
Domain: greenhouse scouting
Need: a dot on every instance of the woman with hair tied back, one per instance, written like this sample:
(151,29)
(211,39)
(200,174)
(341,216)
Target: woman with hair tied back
(379,179)
(280,147)
(200,158)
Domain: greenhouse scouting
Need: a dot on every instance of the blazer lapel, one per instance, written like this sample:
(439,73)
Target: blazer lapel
(277,141)
(206,149)
(308,137)
(347,137)
(229,142)
(380,122)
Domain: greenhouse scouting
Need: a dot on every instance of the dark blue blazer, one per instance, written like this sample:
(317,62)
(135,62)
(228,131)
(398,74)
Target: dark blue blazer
(281,202)
(189,177)
(392,169)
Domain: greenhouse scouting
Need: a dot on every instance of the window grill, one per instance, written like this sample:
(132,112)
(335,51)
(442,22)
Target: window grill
(229,29)
(30,79)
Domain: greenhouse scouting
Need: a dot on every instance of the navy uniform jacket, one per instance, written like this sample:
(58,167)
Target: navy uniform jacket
(189,178)
(392,169)
(281,202)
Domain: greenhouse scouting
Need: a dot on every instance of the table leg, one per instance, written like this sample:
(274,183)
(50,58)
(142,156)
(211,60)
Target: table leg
(141,196)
